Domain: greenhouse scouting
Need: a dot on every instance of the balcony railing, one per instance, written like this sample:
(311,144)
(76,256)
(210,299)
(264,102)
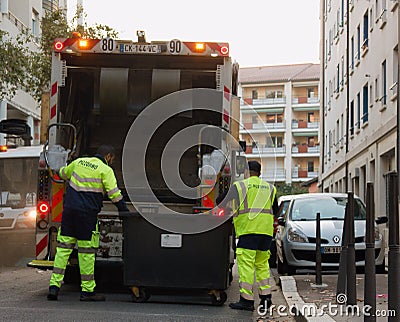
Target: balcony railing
(259,126)
(265,101)
(274,175)
(304,173)
(305,149)
(18,23)
(305,125)
(264,149)
(305,100)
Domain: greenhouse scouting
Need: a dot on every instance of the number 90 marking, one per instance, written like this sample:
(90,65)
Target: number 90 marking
(107,44)
(175,46)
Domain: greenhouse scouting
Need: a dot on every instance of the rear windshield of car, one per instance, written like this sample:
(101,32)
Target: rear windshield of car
(328,207)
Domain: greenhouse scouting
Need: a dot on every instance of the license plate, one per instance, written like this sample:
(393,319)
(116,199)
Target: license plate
(135,48)
(331,249)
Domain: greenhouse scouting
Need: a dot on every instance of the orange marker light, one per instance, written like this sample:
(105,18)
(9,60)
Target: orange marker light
(200,47)
(83,43)
(3,148)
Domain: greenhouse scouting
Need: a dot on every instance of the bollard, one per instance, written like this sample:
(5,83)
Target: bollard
(351,254)
(394,249)
(341,281)
(369,276)
(318,259)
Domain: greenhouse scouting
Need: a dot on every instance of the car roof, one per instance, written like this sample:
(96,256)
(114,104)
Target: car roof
(312,195)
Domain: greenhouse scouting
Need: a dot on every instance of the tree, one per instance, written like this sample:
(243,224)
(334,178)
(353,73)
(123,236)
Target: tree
(30,69)
(289,189)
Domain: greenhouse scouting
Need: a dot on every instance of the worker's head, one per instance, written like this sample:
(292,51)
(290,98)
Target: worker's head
(107,152)
(254,168)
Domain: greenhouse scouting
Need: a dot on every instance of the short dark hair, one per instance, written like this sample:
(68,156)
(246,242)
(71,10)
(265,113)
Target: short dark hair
(254,166)
(105,149)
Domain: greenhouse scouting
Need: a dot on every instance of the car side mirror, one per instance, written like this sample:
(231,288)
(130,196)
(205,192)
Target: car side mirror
(281,221)
(381,220)
(241,163)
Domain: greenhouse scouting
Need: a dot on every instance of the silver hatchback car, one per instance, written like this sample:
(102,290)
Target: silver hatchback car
(296,235)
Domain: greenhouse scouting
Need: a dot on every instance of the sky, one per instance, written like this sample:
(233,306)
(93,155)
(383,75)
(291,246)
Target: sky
(259,32)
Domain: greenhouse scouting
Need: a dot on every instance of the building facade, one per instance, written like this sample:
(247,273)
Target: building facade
(15,17)
(359,63)
(280,120)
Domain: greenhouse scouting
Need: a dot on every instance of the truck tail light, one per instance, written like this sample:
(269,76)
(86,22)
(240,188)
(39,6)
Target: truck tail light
(43,208)
(224,50)
(58,45)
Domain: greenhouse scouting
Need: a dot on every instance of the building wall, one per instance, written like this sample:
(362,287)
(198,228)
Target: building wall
(368,146)
(15,17)
(274,143)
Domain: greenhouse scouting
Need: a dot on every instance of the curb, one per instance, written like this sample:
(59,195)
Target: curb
(296,304)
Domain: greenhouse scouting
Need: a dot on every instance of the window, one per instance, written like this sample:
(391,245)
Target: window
(310,117)
(365,31)
(254,94)
(273,94)
(358,42)
(337,77)
(342,71)
(274,118)
(35,23)
(365,104)
(310,92)
(352,118)
(337,132)
(376,89)
(274,142)
(311,141)
(352,53)
(377,10)
(383,98)
(371,98)
(341,127)
(358,110)
(395,70)
(310,166)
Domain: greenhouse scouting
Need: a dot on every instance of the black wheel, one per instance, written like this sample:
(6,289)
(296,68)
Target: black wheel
(284,268)
(218,301)
(143,294)
(272,258)
(381,269)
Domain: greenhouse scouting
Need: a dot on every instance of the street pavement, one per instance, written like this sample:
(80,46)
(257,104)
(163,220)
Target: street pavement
(321,303)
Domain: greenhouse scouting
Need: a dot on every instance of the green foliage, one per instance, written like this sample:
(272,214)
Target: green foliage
(290,189)
(28,68)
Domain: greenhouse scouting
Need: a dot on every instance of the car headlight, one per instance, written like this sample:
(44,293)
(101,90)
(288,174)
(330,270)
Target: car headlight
(297,236)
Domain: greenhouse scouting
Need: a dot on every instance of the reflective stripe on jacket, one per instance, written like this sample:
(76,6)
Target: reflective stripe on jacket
(89,178)
(254,214)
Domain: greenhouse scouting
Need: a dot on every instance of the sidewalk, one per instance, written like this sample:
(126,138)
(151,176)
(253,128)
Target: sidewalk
(299,290)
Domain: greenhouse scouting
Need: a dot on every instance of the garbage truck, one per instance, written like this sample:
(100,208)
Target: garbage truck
(171,111)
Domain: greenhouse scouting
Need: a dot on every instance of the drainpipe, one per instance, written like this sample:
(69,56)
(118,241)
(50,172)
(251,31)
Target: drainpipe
(322,95)
(347,93)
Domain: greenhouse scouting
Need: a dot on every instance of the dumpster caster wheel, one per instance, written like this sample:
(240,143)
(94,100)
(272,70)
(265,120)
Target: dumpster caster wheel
(218,298)
(139,294)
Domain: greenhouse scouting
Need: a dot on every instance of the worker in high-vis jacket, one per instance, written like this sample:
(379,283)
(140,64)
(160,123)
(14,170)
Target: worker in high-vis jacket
(253,205)
(89,178)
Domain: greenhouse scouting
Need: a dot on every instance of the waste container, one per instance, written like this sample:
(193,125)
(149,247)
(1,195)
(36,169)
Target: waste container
(157,260)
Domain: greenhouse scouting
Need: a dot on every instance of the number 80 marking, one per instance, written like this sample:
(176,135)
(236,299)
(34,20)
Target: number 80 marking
(107,44)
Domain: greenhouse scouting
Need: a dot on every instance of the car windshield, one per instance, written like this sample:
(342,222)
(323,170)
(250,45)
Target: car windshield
(328,207)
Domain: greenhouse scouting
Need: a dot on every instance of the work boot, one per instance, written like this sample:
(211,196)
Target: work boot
(243,304)
(265,303)
(92,297)
(53,293)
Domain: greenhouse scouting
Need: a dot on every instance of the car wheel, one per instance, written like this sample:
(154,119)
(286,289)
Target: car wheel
(381,269)
(284,268)
(272,257)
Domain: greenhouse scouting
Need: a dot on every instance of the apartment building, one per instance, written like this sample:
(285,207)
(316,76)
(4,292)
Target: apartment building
(359,63)
(280,120)
(15,17)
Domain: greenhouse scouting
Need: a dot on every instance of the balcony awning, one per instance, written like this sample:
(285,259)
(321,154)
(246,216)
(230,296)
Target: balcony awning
(311,133)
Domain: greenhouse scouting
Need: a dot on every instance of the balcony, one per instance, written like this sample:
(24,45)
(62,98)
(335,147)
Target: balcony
(274,175)
(265,101)
(304,103)
(300,124)
(304,173)
(249,127)
(267,150)
(305,149)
